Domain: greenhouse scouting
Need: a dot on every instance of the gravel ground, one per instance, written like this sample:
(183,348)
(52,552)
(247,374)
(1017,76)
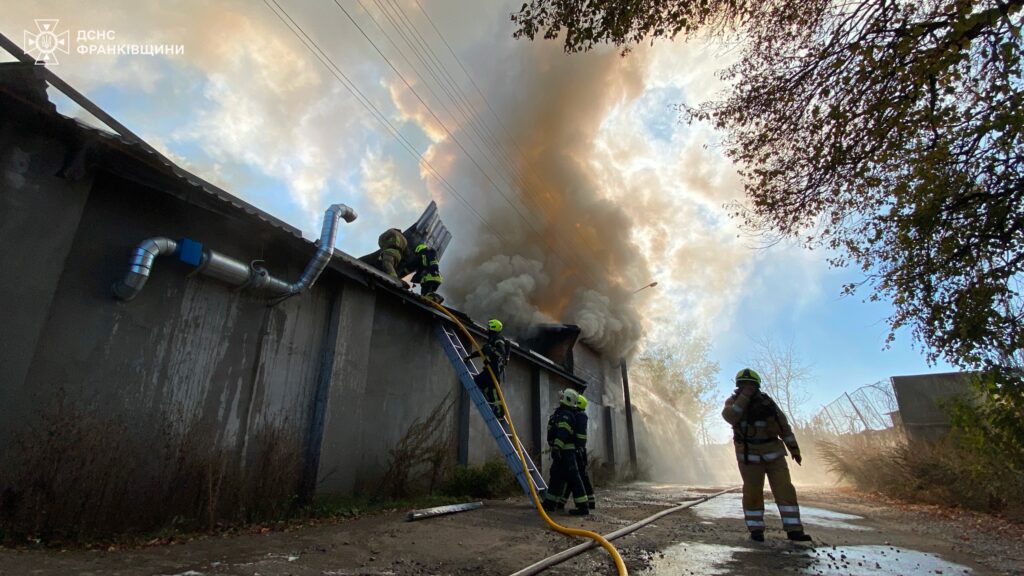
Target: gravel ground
(854,534)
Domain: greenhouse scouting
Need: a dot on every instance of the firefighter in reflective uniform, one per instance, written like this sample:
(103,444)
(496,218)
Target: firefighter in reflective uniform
(580,431)
(762,434)
(392,245)
(495,353)
(562,441)
(427,272)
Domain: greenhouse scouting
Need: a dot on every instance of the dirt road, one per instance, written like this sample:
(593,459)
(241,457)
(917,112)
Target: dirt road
(853,535)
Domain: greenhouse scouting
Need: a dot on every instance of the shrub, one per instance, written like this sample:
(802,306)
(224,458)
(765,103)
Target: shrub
(492,480)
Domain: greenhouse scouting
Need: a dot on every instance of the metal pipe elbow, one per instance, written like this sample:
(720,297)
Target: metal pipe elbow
(141,265)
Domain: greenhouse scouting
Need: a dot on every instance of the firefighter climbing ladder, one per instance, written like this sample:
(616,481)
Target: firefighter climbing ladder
(620,566)
(498,426)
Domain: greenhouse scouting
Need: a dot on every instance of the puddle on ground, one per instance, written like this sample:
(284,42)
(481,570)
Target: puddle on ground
(693,559)
(698,559)
(858,560)
(731,506)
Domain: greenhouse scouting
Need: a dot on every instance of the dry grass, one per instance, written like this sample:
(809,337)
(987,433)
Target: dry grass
(944,473)
(78,475)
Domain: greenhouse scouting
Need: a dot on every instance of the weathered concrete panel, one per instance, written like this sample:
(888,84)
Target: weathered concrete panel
(39,215)
(920,398)
(345,423)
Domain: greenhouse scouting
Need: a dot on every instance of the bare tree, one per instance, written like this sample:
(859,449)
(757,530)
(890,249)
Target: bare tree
(784,375)
(680,373)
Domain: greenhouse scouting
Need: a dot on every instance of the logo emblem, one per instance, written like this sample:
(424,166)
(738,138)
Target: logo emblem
(45,42)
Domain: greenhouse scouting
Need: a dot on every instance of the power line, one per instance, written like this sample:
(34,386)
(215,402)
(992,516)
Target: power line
(354,90)
(497,188)
(527,188)
(571,240)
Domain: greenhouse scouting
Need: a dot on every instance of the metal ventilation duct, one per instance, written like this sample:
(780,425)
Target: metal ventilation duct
(252,276)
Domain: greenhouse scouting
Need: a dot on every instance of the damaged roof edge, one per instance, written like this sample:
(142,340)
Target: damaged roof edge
(341,262)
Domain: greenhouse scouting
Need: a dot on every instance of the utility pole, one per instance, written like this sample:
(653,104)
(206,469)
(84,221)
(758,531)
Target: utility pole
(629,415)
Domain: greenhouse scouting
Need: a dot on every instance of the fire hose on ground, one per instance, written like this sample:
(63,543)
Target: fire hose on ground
(597,538)
(564,555)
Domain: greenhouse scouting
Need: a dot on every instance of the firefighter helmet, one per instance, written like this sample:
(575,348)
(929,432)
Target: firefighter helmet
(494,325)
(581,402)
(569,397)
(421,247)
(748,376)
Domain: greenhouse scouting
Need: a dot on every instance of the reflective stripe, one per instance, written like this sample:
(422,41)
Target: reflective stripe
(564,445)
(789,508)
(581,436)
(790,520)
(580,500)
(769,457)
(755,523)
(565,425)
(760,423)
(757,513)
(737,409)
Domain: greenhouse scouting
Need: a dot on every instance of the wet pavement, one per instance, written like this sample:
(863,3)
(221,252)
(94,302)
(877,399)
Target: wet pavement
(730,506)
(698,559)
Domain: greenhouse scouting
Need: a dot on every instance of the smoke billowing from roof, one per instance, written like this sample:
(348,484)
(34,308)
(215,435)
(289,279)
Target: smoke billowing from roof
(575,261)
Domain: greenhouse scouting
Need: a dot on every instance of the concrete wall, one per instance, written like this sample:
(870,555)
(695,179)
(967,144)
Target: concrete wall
(920,401)
(195,376)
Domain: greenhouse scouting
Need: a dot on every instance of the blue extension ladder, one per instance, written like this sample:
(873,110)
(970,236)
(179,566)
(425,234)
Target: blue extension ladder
(499,427)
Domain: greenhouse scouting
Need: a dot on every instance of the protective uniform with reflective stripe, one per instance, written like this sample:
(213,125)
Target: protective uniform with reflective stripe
(565,476)
(426,271)
(392,245)
(580,431)
(496,351)
(761,436)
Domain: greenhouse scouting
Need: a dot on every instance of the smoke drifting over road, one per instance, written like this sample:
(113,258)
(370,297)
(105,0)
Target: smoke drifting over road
(575,261)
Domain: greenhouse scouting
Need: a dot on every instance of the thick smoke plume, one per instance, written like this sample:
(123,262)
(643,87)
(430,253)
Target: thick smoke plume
(575,261)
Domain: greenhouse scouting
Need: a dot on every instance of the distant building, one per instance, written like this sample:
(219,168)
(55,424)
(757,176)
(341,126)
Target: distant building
(921,398)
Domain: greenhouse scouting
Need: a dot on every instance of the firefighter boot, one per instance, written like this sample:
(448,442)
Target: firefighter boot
(757,535)
(798,536)
(580,511)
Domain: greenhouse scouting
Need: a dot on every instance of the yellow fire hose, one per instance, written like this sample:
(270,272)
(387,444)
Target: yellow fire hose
(619,564)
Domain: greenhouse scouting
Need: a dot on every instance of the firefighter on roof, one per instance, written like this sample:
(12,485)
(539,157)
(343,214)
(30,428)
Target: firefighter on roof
(427,272)
(761,435)
(392,245)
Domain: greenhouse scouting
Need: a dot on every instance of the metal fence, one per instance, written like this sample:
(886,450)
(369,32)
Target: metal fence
(871,407)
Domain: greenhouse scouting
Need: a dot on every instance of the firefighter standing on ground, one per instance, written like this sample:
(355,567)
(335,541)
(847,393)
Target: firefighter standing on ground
(761,434)
(495,353)
(427,272)
(580,431)
(562,440)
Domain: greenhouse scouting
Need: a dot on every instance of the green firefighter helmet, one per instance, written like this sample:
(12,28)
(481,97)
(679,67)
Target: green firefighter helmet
(569,397)
(581,402)
(494,325)
(421,247)
(748,376)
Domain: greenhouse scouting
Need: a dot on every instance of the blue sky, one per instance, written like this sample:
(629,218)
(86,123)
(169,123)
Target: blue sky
(248,107)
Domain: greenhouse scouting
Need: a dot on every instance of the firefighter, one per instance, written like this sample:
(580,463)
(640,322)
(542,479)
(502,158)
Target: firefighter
(495,354)
(580,431)
(392,245)
(562,440)
(761,435)
(427,272)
